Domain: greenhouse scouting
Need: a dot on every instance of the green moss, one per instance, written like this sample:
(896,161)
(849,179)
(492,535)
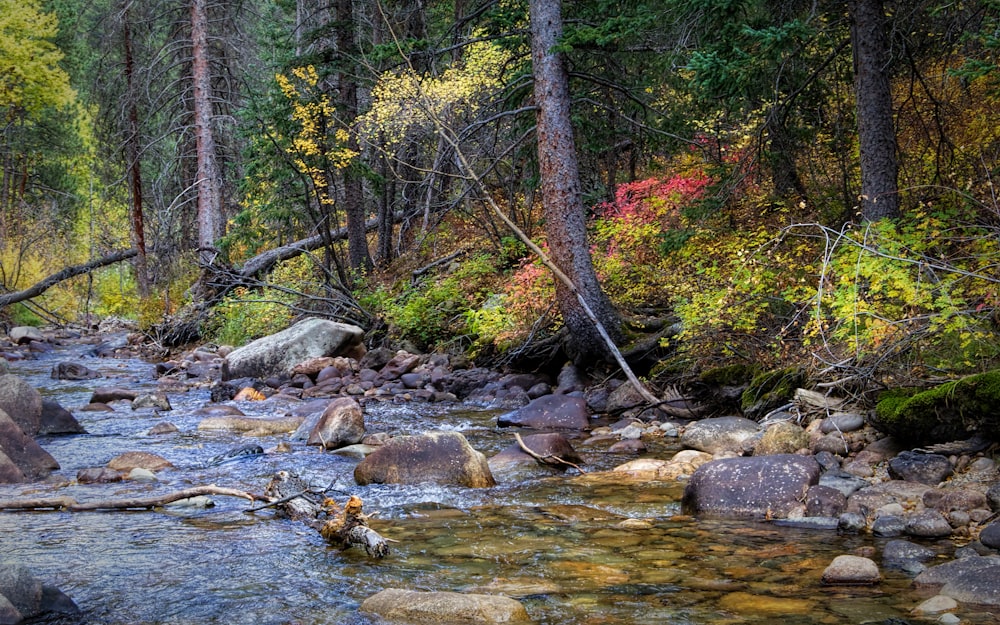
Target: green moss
(729,375)
(769,390)
(950,411)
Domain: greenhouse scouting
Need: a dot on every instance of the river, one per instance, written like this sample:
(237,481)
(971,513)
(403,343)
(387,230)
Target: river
(558,544)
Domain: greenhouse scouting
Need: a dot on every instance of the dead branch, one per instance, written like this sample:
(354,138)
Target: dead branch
(550,459)
(343,528)
(69,504)
(69,272)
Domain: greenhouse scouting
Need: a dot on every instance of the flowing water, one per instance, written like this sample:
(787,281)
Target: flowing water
(563,545)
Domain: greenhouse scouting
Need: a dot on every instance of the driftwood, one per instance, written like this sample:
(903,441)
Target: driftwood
(550,459)
(341,528)
(69,272)
(138,503)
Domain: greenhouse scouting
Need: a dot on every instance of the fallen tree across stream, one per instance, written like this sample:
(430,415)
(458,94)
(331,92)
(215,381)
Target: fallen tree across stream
(288,494)
(65,274)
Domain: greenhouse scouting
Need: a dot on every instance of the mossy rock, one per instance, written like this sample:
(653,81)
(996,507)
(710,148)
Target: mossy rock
(951,411)
(770,390)
(730,375)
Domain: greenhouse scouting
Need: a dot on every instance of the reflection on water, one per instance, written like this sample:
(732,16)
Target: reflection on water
(575,551)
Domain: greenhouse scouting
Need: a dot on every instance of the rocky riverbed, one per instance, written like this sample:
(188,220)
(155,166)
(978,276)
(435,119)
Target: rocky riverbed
(904,518)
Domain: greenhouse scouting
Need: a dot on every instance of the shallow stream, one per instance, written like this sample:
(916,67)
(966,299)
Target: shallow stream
(558,544)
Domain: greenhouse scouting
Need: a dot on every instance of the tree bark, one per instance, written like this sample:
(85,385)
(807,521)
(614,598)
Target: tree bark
(132,157)
(138,503)
(876,128)
(358,257)
(565,225)
(210,221)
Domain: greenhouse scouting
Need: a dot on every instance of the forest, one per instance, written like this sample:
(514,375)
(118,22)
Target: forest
(703,183)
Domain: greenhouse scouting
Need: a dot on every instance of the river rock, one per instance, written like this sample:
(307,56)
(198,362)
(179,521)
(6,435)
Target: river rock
(57,420)
(624,397)
(973,579)
(784,437)
(755,487)
(23,459)
(825,501)
(437,457)
(871,498)
(550,444)
(21,402)
(138,459)
(719,434)
(157,401)
(550,412)
(928,524)
(280,352)
(902,554)
(397,604)
(251,425)
(851,571)
(916,467)
(936,605)
(24,597)
(22,335)
(842,422)
(106,395)
(990,535)
(341,423)
(98,475)
(73,371)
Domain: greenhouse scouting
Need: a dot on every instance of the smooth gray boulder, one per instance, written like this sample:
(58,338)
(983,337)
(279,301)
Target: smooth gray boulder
(755,487)
(279,353)
(444,607)
(719,434)
(435,457)
(562,412)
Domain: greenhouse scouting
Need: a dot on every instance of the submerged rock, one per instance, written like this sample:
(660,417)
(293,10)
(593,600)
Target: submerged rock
(436,457)
(445,607)
(550,411)
(974,579)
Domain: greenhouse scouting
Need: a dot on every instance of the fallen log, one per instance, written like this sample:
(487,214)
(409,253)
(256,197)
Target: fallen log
(343,527)
(70,504)
(69,272)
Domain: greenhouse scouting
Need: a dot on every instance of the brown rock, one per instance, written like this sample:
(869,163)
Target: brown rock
(138,459)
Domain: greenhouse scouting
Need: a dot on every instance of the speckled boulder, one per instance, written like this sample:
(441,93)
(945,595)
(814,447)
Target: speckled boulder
(755,487)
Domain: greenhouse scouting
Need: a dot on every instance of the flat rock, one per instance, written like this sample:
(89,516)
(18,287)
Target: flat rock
(755,487)
(973,579)
(138,459)
(550,412)
(444,607)
(719,434)
(244,425)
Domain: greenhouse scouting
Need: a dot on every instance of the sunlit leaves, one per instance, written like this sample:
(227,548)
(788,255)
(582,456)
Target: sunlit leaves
(30,77)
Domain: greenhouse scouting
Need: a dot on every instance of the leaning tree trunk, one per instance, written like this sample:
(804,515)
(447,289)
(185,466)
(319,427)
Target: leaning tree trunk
(565,228)
(876,129)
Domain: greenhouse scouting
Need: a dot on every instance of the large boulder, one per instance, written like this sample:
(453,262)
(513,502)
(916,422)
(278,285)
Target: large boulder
(973,579)
(23,597)
(754,487)
(58,420)
(21,451)
(342,423)
(22,335)
(279,353)
(21,402)
(397,604)
(438,457)
(719,434)
(564,412)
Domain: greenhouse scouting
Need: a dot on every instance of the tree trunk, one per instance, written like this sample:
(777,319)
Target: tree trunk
(359,258)
(210,222)
(132,156)
(565,225)
(876,129)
